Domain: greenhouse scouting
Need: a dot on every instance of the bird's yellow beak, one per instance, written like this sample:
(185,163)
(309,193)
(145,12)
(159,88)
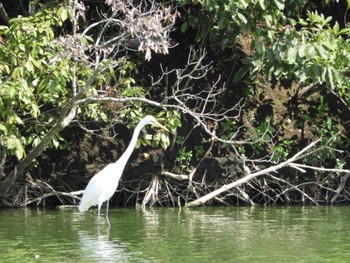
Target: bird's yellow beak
(161,126)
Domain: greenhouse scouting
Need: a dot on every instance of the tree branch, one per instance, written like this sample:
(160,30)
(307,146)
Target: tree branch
(4,15)
(340,188)
(202,200)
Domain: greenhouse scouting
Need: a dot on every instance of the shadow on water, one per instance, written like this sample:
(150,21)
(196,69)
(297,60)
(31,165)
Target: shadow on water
(230,234)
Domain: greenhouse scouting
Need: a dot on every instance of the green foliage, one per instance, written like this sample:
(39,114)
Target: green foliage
(127,84)
(310,51)
(264,134)
(32,76)
(287,41)
(172,120)
(93,112)
(38,67)
(229,130)
(184,156)
(281,150)
(318,53)
(327,128)
(198,152)
(221,21)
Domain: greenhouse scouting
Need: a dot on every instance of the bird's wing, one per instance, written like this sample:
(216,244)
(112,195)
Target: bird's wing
(101,187)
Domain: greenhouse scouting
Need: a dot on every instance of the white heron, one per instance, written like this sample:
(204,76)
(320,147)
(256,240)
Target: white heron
(102,186)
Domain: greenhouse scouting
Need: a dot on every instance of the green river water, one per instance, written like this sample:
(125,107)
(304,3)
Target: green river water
(229,234)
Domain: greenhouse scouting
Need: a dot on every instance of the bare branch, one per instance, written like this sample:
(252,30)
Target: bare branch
(4,15)
(73,195)
(204,199)
(179,177)
(340,188)
(299,166)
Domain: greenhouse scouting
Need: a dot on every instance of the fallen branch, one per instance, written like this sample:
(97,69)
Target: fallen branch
(73,195)
(178,177)
(288,163)
(202,200)
(334,170)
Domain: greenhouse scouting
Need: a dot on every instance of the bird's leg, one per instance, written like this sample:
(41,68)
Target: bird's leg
(107,205)
(98,214)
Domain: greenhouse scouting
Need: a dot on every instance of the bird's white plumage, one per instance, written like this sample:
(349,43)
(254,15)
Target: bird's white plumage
(103,185)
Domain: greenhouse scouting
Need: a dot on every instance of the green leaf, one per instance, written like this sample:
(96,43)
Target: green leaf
(278,73)
(222,23)
(184,27)
(3,128)
(19,35)
(14,119)
(13,144)
(11,91)
(62,13)
(336,28)
(17,73)
(5,68)
(242,18)
(241,73)
(291,55)
(35,111)
(88,39)
(4,28)
(310,51)
(36,141)
(55,142)
(36,63)
(19,152)
(302,50)
(22,47)
(262,4)
(29,66)
(344,31)
(305,117)
(304,74)
(259,47)
(279,4)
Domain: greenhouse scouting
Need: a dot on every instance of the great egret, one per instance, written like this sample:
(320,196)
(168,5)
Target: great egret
(103,185)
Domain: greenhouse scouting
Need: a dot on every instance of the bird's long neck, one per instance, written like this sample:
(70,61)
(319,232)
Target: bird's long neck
(126,155)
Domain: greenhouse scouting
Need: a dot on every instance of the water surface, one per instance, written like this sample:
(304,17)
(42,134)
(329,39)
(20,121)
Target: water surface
(230,234)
